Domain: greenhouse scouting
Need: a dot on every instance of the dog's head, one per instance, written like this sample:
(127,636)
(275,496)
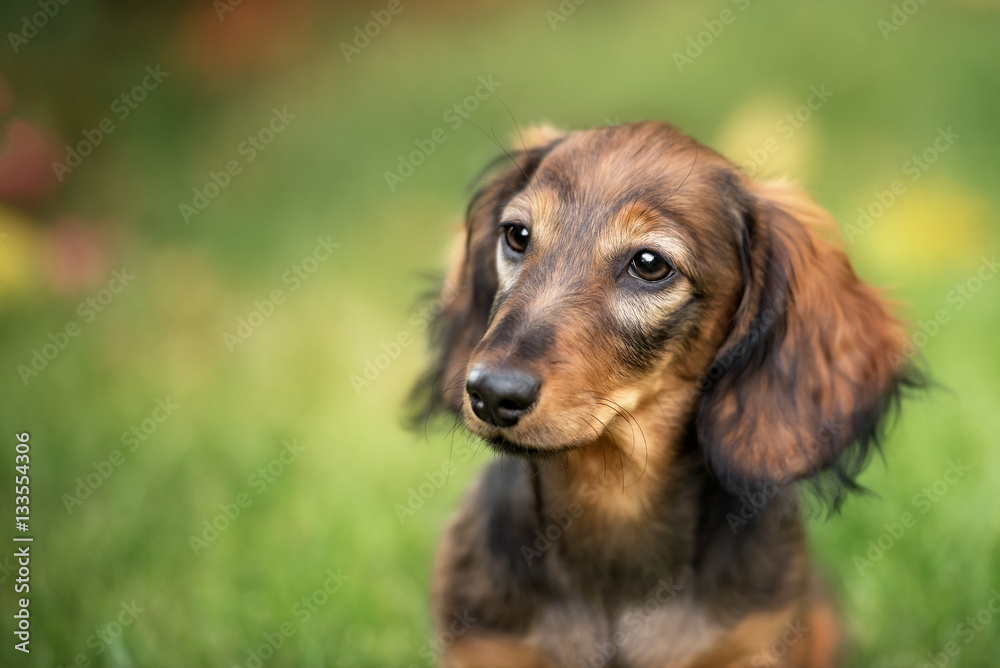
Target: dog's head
(623,268)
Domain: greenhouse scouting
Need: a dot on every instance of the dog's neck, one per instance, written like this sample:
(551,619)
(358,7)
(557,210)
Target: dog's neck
(630,499)
(619,479)
(640,507)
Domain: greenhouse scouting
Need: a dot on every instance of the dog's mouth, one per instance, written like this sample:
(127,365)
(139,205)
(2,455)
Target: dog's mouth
(508,447)
(538,439)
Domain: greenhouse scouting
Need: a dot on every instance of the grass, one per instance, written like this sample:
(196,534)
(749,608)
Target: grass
(334,507)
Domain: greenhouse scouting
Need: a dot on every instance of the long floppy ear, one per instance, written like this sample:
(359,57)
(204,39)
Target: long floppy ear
(471,283)
(814,360)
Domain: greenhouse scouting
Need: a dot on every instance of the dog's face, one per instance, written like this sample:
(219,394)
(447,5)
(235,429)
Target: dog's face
(612,264)
(612,269)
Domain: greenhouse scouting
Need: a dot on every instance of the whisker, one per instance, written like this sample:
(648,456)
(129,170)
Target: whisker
(516,125)
(614,440)
(502,148)
(597,434)
(604,452)
(451,448)
(627,415)
(456,423)
(697,152)
(645,444)
(617,409)
(435,400)
(621,464)
(452,432)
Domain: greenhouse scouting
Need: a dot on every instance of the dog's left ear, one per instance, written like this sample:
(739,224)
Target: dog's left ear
(814,360)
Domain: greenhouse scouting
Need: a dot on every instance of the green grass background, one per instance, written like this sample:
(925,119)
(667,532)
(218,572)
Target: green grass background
(333,507)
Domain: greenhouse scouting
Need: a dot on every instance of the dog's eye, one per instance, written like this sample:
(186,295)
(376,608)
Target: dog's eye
(650,266)
(517,237)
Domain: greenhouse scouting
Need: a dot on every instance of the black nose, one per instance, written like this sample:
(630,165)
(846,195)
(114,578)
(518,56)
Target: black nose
(501,396)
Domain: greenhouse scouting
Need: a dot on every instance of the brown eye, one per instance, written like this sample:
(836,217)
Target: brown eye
(517,236)
(650,266)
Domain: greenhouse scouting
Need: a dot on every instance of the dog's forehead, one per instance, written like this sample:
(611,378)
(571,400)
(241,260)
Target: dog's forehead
(614,162)
(639,176)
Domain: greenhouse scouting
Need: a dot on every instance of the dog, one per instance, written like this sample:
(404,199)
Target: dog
(658,347)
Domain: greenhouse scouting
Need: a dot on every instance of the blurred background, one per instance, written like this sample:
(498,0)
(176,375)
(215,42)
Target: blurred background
(218,224)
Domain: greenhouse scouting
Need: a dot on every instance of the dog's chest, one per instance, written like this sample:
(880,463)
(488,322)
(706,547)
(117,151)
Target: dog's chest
(668,630)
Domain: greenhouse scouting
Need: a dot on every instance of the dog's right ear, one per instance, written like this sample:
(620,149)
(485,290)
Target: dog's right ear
(815,362)
(470,286)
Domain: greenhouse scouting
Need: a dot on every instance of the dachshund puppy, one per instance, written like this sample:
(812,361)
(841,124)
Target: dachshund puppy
(654,343)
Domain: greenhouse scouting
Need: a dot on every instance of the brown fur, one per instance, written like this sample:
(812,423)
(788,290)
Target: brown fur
(607,539)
